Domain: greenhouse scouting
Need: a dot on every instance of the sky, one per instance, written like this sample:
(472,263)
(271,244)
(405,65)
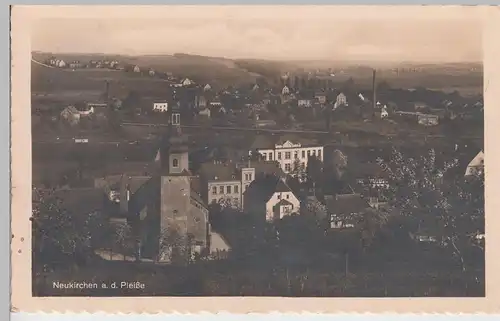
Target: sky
(438,34)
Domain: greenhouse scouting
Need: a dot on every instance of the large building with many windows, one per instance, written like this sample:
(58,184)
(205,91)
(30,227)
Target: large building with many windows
(287,151)
(225,182)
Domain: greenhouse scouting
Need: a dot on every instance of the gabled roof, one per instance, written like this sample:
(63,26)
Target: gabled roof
(353,203)
(263,188)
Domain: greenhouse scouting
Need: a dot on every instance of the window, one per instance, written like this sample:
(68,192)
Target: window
(303,154)
(221,189)
(308,153)
(303,164)
(270,156)
(249,177)
(314,153)
(319,153)
(228,189)
(236,189)
(287,167)
(296,155)
(279,196)
(288,155)
(214,190)
(287,196)
(264,156)
(175,162)
(279,155)
(176,119)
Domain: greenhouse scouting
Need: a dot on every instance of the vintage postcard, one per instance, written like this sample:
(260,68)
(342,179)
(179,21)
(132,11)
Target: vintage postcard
(255,159)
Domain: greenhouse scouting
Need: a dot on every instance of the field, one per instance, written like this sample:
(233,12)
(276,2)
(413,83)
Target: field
(222,72)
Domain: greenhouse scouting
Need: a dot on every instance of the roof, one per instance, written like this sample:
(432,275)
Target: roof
(268,142)
(211,171)
(266,167)
(353,203)
(262,188)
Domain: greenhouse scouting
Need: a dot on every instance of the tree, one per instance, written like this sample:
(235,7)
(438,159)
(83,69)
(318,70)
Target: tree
(298,170)
(424,191)
(62,236)
(122,237)
(174,247)
(314,169)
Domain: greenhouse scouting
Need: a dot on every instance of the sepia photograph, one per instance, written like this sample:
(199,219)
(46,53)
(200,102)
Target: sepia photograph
(258,153)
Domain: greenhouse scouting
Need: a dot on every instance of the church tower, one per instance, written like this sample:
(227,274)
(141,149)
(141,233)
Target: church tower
(175,193)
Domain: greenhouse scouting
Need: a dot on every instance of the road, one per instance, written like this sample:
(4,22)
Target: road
(41,64)
(269,130)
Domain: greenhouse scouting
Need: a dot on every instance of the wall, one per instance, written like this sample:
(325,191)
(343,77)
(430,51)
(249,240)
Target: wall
(175,206)
(218,184)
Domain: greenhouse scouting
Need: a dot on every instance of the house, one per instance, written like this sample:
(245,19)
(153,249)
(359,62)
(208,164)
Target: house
(304,103)
(476,165)
(207,87)
(344,211)
(384,113)
(75,64)
(136,69)
(163,208)
(205,112)
(428,119)
(59,63)
(226,182)
(320,97)
(160,106)
(151,72)
(272,197)
(286,151)
(186,82)
(341,100)
(201,102)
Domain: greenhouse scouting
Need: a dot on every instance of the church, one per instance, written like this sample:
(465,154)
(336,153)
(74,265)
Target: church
(168,218)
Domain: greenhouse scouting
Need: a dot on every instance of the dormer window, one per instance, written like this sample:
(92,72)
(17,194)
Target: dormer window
(175,162)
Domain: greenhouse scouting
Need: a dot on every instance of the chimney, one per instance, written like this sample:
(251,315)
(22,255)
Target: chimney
(374,87)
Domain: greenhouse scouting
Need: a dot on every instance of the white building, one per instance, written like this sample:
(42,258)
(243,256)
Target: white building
(187,82)
(285,91)
(304,103)
(160,107)
(272,196)
(341,100)
(137,69)
(288,152)
(384,113)
(207,87)
(225,183)
(476,165)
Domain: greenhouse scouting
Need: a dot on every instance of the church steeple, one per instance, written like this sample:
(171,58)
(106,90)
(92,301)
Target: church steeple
(173,152)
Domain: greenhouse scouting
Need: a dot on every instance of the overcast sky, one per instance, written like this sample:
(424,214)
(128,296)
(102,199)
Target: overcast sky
(293,32)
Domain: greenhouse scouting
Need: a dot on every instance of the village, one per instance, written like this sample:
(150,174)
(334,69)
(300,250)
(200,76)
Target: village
(198,172)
